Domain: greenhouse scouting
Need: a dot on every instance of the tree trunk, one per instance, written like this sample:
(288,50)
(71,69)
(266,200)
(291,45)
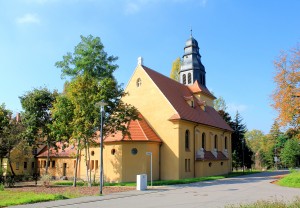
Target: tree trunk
(48,157)
(10,165)
(86,162)
(90,168)
(76,164)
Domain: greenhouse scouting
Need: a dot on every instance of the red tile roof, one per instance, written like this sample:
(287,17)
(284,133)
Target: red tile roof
(139,131)
(69,151)
(176,93)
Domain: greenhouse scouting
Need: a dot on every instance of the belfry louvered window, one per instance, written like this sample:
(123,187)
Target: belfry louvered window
(189,78)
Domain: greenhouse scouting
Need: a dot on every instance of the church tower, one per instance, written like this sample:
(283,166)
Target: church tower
(191,68)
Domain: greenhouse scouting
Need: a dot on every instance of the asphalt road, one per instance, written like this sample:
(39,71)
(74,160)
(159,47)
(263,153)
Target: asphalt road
(219,193)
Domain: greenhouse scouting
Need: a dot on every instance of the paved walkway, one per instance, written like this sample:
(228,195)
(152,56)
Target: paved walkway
(242,189)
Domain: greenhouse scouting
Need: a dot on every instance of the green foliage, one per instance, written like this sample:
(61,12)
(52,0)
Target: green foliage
(290,154)
(240,148)
(75,114)
(37,118)
(9,198)
(175,69)
(291,180)
(89,58)
(5,117)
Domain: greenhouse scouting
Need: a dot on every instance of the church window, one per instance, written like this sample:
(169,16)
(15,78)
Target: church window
(113,151)
(53,163)
(189,78)
(216,141)
(187,165)
(225,142)
(184,79)
(93,153)
(187,140)
(96,164)
(203,140)
(222,163)
(134,151)
(138,82)
(25,165)
(210,164)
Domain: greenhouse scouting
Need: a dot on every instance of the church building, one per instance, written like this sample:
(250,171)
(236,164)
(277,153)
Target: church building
(179,126)
(179,134)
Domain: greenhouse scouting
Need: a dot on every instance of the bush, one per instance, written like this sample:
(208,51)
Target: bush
(1,187)
(46,179)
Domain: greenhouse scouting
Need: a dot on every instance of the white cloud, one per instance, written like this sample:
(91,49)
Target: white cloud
(233,108)
(131,8)
(135,6)
(29,19)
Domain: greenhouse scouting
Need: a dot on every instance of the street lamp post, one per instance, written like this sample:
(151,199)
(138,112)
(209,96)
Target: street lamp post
(150,154)
(101,105)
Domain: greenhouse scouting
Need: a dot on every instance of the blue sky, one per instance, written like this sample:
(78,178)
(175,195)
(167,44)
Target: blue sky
(238,41)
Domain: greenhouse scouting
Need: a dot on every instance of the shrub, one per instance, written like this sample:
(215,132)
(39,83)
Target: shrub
(46,179)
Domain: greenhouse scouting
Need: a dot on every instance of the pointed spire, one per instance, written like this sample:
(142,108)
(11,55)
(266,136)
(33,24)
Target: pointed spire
(191,31)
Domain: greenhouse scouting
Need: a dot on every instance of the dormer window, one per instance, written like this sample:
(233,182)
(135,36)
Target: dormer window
(190,101)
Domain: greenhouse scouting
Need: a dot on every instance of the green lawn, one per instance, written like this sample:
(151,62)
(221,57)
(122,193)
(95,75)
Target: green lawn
(291,180)
(9,198)
(164,182)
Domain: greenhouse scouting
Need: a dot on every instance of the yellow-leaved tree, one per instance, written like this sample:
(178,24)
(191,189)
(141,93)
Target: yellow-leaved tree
(175,69)
(286,97)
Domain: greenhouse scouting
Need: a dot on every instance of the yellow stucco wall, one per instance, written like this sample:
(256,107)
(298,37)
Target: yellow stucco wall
(176,161)
(57,167)
(120,165)
(156,109)
(22,161)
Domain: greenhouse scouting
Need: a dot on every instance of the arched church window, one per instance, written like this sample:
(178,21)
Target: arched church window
(203,140)
(184,79)
(216,141)
(187,139)
(138,82)
(189,78)
(225,142)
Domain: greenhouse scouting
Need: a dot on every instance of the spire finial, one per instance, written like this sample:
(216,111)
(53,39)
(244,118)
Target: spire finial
(191,31)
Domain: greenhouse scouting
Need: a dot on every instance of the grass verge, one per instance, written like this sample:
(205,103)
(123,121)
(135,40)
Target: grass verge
(9,198)
(269,204)
(291,180)
(165,182)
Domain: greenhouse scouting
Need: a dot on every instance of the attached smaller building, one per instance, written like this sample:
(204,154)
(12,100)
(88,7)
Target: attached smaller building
(62,161)
(125,157)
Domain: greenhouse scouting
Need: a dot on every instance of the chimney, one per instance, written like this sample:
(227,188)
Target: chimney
(140,61)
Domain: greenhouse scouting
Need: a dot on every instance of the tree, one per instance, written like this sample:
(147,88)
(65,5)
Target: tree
(286,97)
(5,116)
(220,104)
(91,71)
(175,69)
(242,153)
(37,118)
(290,153)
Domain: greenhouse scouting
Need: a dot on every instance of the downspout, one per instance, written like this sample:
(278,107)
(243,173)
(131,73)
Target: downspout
(159,163)
(195,150)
